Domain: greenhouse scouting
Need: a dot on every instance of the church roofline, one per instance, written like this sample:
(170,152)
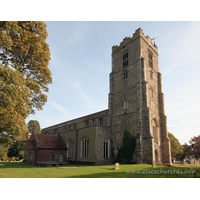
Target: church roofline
(78,120)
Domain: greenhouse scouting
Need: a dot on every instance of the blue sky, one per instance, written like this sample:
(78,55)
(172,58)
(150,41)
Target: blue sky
(81,63)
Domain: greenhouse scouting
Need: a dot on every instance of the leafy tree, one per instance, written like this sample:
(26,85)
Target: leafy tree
(125,153)
(186,151)
(16,149)
(24,73)
(176,147)
(14,100)
(30,126)
(195,146)
(6,139)
(2,151)
(23,47)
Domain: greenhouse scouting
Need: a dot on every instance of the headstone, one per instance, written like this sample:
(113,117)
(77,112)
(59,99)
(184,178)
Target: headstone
(116,166)
(192,162)
(197,162)
(184,162)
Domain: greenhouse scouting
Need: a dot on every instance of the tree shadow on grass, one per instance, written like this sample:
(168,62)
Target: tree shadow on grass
(124,175)
(166,172)
(108,171)
(14,165)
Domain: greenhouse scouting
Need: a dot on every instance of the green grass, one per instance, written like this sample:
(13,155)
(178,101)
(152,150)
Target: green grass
(21,170)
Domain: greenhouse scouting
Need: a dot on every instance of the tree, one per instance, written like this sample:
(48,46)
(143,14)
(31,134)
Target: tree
(186,151)
(16,149)
(176,147)
(30,126)
(23,47)
(125,153)
(14,100)
(195,146)
(2,152)
(6,139)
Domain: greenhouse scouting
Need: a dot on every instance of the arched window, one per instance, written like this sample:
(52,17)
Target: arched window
(125,74)
(70,148)
(125,104)
(101,121)
(106,149)
(155,131)
(86,123)
(84,147)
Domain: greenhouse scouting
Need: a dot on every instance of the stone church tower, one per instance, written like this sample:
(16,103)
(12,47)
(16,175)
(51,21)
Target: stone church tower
(136,100)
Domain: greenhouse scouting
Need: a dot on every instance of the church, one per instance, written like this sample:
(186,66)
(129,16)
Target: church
(135,105)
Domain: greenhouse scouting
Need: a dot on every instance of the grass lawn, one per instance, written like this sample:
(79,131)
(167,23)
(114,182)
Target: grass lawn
(21,170)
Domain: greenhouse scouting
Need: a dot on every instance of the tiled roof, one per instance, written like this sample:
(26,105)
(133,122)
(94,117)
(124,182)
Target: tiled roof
(50,141)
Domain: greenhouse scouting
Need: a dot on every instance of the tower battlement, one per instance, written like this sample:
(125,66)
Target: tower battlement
(127,40)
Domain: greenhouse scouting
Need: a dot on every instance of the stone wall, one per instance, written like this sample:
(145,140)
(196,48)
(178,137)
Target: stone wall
(103,133)
(142,89)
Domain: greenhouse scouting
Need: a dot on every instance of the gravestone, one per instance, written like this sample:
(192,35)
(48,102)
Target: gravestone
(184,162)
(116,166)
(192,162)
(197,162)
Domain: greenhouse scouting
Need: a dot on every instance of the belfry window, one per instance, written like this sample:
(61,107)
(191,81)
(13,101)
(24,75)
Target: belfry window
(125,59)
(84,147)
(150,59)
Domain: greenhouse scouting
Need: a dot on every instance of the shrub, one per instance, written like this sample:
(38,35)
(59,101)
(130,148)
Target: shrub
(125,153)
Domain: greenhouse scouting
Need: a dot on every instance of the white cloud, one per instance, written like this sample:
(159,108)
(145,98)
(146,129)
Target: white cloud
(175,64)
(60,108)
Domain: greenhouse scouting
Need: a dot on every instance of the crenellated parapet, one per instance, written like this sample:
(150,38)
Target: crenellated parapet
(127,40)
